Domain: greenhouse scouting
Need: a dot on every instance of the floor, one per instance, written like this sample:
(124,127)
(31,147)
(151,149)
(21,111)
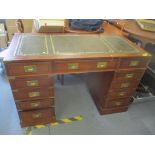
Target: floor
(73,99)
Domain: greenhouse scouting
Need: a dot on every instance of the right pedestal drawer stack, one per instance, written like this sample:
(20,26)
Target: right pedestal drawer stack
(124,83)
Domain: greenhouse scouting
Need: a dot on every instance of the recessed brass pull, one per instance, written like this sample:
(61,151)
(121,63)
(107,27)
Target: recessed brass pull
(121,94)
(73,66)
(124,85)
(133,63)
(30,68)
(34,94)
(35,104)
(101,65)
(118,103)
(128,76)
(32,83)
(37,115)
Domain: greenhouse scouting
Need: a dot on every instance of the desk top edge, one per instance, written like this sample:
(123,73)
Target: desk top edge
(9,56)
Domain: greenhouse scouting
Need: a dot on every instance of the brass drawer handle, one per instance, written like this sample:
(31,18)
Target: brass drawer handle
(118,103)
(124,85)
(30,68)
(35,104)
(32,83)
(134,63)
(128,76)
(34,94)
(121,94)
(73,66)
(37,115)
(101,65)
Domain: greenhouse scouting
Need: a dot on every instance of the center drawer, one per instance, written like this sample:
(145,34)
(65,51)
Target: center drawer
(36,117)
(31,82)
(35,93)
(84,65)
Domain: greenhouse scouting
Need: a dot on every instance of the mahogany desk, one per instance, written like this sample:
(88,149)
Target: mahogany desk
(113,67)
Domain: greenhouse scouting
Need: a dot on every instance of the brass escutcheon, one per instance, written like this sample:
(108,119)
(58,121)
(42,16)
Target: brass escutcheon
(124,85)
(35,104)
(101,65)
(30,68)
(37,115)
(118,103)
(32,83)
(133,63)
(121,93)
(34,94)
(129,75)
(73,66)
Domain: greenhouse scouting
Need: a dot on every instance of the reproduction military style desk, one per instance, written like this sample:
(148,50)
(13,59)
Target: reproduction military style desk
(113,67)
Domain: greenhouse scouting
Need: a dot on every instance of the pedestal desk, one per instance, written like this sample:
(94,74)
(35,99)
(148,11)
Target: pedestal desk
(113,67)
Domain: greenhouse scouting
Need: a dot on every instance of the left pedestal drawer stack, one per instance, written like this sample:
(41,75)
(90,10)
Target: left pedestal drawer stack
(32,86)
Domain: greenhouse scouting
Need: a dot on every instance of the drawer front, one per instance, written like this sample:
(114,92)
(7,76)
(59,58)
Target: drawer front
(30,94)
(28,68)
(31,82)
(36,117)
(87,65)
(117,103)
(34,104)
(134,63)
(133,75)
(120,94)
(124,85)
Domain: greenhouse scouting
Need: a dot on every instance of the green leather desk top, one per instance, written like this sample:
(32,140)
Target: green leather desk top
(37,45)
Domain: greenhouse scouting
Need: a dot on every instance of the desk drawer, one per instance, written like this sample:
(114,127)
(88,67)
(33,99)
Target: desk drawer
(31,82)
(31,94)
(84,65)
(124,85)
(128,75)
(36,117)
(35,104)
(28,68)
(117,103)
(134,63)
(120,94)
